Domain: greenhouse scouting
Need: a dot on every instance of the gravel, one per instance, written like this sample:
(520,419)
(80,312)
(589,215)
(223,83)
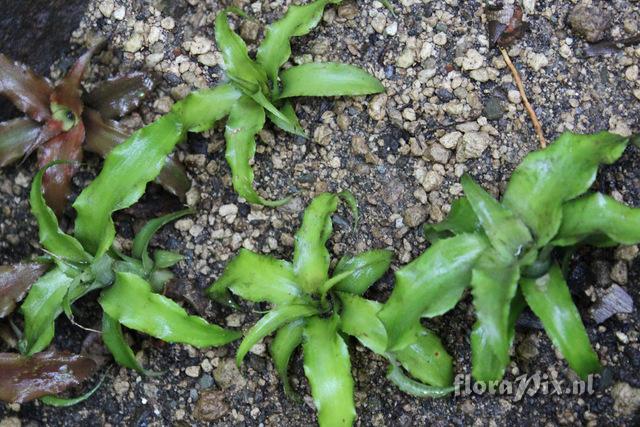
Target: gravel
(450,107)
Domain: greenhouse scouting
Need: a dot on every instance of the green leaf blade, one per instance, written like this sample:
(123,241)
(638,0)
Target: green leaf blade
(310,256)
(270,322)
(546,179)
(287,339)
(550,299)
(132,303)
(114,340)
(427,360)
(201,109)
(367,268)
(328,79)
(124,177)
(327,366)
(430,285)
(359,319)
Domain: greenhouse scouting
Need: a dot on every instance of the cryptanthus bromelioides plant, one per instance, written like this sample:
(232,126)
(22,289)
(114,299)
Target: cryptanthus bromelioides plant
(61,122)
(257,89)
(511,254)
(87,261)
(316,309)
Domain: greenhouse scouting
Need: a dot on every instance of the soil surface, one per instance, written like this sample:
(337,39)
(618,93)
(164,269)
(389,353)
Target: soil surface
(450,107)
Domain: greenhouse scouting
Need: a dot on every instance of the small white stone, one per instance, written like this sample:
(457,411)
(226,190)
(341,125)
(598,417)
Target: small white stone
(632,73)
(106,7)
(168,23)
(426,51)
(209,59)
(440,39)
(227,210)
(537,61)
(514,97)
(200,45)
(119,13)
(406,59)
(192,371)
(392,29)
(134,44)
(451,140)
(472,60)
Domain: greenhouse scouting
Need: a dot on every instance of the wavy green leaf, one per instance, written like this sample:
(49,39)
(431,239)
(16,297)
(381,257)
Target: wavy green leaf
(240,69)
(258,278)
(114,340)
(275,49)
(245,121)
(426,359)
(461,219)
(366,269)
(546,179)
(415,388)
(287,339)
(494,283)
(359,318)
(65,402)
(430,285)
(327,79)
(270,322)
(550,299)
(201,109)
(166,259)
(124,177)
(140,248)
(507,234)
(40,310)
(310,256)
(291,124)
(51,236)
(132,302)
(328,368)
(598,220)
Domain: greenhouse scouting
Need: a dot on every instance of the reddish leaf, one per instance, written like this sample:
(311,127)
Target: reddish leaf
(67,93)
(57,179)
(16,138)
(103,136)
(15,281)
(117,97)
(505,25)
(25,89)
(23,378)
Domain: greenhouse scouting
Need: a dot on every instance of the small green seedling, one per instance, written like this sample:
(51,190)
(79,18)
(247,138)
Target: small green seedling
(315,310)
(510,254)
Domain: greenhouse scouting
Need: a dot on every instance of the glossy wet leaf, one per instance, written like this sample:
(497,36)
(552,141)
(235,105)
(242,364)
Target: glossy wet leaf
(507,234)
(201,109)
(103,136)
(359,318)
(494,283)
(598,220)
(240,69)
(41,308)
(57,179)
(51,236)
(15,282)
(291,124)
(287,339)
(133,304)
(114,340)
(140,247)
(119,96)
(26,90)
(461,219)
(550,299)
(275,49)
(546,179)
(366,268)
(258,278)
(245,121)
(415,388)
(16,137)
(426,359)
(328,368)
(430,285)
(270,322)
(126,172)
(310,256)
(166,259)
(24,378)
(327,79)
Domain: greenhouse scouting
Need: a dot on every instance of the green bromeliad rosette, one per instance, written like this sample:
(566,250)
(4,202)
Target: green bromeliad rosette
(510,254)
(315,309)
